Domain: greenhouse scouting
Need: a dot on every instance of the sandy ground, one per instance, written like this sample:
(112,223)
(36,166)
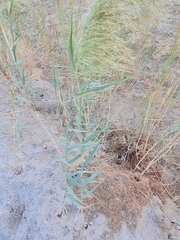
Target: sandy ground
(32,179)
(32,184)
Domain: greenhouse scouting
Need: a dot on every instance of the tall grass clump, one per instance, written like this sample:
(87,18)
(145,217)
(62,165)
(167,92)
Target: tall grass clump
(97,49)
(82,121)
(163,96)
(93,54)
(103,45)
(10,39)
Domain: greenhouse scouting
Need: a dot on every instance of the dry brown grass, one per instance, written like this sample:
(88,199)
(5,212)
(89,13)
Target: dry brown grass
(129,154)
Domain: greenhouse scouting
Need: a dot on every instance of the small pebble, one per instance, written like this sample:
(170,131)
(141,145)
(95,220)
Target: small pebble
(170,236)
(51,192)
(90,223)
(94,216)
(67,228)
(167,225)
(59,215)
(119,162)
(103,147)
(77,228)
(106,150)
(103,154)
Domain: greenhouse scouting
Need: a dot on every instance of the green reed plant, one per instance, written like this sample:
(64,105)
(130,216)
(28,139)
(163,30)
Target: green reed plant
(96,49)
(89,54)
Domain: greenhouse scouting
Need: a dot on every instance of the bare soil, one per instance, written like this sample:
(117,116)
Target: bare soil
(125,205)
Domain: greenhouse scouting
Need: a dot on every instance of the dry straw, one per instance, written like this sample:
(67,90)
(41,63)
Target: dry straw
(105,42)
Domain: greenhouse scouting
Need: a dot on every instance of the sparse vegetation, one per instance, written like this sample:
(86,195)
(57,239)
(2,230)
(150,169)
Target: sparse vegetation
(88,55)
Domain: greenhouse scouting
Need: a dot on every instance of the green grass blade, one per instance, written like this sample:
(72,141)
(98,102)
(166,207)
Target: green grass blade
(71,51)
(73,200)
(23,77)
(63,160)
(91,178)
(88,159)
(86,145)
(103,87)
(75,183)
(74,159)
(77,178)
(84,196)
(72,195)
